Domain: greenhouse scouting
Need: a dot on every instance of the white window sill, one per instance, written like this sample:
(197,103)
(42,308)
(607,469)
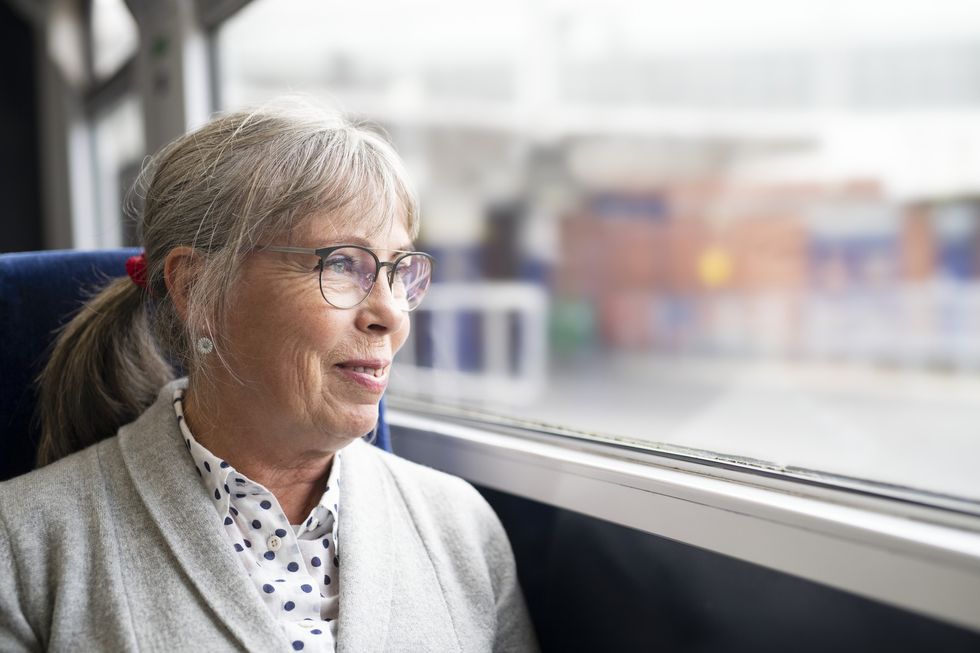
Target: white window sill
(902,555)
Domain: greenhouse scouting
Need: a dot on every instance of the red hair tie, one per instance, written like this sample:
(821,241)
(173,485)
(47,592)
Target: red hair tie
(136,269)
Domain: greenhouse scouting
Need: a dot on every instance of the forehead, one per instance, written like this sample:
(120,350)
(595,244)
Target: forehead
(323,229)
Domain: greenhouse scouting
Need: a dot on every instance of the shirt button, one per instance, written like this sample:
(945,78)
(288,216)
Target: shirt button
(275,543)
(306,624)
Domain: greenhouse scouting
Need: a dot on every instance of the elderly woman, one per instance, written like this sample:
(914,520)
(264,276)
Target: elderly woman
(239,508)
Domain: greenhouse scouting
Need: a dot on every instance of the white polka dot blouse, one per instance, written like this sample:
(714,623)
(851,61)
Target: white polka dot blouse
(293,567)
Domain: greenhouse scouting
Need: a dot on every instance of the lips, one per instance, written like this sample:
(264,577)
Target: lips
(369,373)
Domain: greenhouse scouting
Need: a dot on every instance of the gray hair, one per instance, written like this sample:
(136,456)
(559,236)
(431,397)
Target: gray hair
(242,180)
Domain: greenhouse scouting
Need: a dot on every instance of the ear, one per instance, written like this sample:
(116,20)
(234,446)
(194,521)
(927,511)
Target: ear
(179,269)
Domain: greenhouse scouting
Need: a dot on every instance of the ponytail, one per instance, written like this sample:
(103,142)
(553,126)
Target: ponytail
(104,371)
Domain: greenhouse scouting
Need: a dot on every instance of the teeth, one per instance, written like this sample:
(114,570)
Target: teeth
(376,372)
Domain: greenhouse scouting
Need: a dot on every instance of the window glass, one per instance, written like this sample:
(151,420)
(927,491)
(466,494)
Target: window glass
(115,37)
(749,229)
(118,150)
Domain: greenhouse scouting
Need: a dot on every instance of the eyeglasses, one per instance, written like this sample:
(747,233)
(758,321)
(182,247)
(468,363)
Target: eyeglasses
(348,273)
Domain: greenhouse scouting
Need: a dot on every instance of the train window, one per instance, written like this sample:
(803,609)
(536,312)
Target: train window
(749,235)
(114,36)
(118,151)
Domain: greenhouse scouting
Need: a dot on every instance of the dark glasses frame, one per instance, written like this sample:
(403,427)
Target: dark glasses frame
(323,252)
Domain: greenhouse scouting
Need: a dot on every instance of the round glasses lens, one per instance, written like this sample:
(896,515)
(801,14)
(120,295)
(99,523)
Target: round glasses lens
(347,276)
(411,279)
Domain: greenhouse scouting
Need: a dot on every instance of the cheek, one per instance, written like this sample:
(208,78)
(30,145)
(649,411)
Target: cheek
(399,337)
(309,342)
(285,346)
(295,357)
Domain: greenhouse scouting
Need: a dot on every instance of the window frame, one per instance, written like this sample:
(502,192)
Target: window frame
(915,557)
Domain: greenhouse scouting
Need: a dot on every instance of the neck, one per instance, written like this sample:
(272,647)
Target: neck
(261,450)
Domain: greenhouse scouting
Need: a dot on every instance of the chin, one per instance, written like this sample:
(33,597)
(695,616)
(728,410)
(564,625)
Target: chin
(360,421)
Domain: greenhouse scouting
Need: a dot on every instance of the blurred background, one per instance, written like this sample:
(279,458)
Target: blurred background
(744,230)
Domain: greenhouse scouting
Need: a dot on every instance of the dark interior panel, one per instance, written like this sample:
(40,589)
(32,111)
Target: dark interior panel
(20,223)
(596,586)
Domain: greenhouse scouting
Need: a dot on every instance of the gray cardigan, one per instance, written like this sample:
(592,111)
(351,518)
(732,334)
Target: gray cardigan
(119,548)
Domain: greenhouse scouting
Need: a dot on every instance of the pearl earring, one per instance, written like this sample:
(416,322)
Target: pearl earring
(205,345)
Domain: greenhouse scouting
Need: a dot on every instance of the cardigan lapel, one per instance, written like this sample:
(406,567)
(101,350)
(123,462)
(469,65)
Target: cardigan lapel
(366,552)
(177,501)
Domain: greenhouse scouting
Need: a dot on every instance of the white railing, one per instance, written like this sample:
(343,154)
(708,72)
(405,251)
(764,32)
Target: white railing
(513,370)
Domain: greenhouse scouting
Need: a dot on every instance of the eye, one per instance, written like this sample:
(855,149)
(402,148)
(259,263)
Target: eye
(338,264)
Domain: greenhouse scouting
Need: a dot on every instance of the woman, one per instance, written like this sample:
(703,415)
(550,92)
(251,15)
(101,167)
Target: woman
(239,509)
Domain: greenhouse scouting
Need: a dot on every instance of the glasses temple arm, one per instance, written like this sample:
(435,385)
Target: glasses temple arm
(292,250)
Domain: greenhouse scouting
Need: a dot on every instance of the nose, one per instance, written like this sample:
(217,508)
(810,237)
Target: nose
(380,312)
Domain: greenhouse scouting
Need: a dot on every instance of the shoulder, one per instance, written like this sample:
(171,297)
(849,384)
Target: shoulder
(61,478)
(466,544)
(56,492)
(441,505)
(70,487)
(417,481)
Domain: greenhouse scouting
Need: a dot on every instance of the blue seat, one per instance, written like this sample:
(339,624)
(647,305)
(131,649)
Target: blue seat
(39,293)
